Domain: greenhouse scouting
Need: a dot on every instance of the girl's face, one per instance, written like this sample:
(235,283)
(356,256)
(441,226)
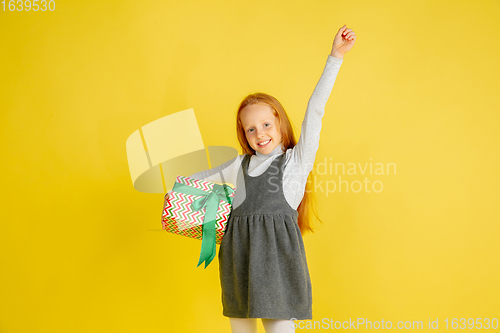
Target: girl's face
(262,128)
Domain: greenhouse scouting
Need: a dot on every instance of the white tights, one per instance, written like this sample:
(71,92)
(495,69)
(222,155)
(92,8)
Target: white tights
(249,325)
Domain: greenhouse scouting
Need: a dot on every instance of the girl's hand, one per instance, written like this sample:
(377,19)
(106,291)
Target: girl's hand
(343,42)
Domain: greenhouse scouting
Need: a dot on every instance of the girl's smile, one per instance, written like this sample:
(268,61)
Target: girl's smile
(262,144)
(262,128)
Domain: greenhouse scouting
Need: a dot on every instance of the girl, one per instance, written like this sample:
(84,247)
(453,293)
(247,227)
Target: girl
(262,262)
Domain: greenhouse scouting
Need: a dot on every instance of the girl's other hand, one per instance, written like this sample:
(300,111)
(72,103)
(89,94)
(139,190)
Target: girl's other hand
(164,205)
(343,42)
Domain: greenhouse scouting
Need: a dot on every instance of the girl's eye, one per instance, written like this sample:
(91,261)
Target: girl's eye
(267,124)
(250,130)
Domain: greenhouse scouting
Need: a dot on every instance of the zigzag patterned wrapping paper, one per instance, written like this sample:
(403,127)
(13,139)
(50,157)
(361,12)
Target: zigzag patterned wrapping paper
(179,218)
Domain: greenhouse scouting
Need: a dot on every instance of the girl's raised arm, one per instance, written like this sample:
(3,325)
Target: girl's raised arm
(305,150)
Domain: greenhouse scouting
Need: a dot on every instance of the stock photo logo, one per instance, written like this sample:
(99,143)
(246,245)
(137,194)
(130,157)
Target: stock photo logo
(341,183)
(344,172)
(170,146)
(346,176)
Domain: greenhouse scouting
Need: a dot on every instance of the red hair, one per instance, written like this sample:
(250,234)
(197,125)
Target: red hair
(307,207)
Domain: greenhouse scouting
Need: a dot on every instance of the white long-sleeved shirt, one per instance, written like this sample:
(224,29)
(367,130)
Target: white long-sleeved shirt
(299,160)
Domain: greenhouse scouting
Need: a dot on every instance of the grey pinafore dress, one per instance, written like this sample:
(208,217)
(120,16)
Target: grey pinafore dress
(262,261)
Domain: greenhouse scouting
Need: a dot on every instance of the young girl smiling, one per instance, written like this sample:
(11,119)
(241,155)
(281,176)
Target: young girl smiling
(262,260)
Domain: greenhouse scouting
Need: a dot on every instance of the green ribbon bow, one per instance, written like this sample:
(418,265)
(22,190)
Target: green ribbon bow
(211,201)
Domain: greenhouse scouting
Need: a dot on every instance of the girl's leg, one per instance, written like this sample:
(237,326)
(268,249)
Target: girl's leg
(243,325)
(278,326)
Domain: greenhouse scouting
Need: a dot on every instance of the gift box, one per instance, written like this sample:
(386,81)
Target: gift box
(199,209)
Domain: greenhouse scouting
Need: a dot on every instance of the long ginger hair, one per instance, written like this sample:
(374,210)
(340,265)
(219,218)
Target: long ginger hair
(307,207)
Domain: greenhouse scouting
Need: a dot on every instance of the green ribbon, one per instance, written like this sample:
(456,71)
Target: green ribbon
(211,201)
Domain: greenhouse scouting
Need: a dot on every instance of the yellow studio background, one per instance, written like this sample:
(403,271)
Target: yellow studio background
(82,251)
